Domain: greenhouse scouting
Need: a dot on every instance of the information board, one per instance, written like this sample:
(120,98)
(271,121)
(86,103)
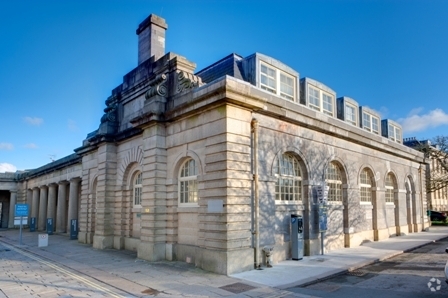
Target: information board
(21,210)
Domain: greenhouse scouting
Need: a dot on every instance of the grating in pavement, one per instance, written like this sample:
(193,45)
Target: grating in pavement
(356,273)
(326,287)
(237,288)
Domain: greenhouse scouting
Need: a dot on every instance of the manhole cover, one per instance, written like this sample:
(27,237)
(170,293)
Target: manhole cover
(356,273)
(237,288)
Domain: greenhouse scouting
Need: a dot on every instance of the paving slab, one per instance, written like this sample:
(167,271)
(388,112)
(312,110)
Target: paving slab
(122,273)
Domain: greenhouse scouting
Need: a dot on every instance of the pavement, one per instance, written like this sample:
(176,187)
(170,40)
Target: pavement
(119,273)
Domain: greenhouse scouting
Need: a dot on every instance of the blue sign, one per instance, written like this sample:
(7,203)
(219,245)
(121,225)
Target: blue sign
(21,210)
(322,219)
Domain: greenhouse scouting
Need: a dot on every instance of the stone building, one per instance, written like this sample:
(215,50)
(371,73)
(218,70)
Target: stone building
(208,167)
(436,177)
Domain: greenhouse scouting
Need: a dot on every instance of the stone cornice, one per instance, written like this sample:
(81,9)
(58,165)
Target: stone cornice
(229,90)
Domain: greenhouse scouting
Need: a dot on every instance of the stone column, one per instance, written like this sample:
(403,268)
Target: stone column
(12,206)
(61,215)
(29,201)
(35,203)
(73,201)
(51,207)
(42,208)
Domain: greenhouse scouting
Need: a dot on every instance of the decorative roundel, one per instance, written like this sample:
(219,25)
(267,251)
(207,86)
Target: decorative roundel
(434,284)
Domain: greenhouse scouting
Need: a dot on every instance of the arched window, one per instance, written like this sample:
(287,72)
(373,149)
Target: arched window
(390,188)
(288,186)
(333,179)
(366,186)
(188,185)
(138,189)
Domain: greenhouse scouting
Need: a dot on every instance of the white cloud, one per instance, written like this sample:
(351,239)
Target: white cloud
(33,120)
(7,167)
(6,146)
(31,146)
(415,122)
(72,125)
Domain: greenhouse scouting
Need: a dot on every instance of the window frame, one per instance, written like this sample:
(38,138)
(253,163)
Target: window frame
(394,133)
(389,186)
(321,100)
(354,120)
(294,182)
(279,89)
(137,187)
(335,185)
(370,127)
(366,187)
(185,182)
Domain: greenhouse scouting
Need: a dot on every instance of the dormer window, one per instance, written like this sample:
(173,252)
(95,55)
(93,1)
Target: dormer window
(277,82)
(320,101)
(394,133)
(347,110)
(370,122)
(391,130)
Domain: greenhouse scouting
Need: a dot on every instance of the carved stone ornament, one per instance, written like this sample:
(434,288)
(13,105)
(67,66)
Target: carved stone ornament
(110,110)
(157,87)
(186,81)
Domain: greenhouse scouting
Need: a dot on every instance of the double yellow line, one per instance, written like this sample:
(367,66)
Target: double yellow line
(64,271)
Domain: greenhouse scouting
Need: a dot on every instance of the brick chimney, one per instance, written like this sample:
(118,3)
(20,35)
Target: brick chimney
(151,38)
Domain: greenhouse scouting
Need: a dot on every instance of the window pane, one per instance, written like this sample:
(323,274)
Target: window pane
(314,98)
(375,125)
(391,132)
(327,101)
(286,87)
(366,121)
(288,186)
(333,179)
(137,193)
(188,188)
(350,115)
(268,79)
(397,135)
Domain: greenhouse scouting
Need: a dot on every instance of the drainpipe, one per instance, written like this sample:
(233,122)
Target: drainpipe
(254,130)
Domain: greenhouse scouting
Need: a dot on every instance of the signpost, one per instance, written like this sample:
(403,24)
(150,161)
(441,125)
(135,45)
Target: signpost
(322,196)
(21,210)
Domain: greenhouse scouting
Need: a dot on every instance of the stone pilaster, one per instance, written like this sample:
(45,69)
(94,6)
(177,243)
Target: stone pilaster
(153,230)
(12,206)
(107,175)
(225,238)
(86,212)
(401,213)
(51,207)
(61,218)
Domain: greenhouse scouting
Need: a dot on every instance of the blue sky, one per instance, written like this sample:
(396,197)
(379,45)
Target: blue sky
(59,60)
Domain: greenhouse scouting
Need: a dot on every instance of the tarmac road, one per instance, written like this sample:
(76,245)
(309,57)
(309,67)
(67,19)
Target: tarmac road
(411,274)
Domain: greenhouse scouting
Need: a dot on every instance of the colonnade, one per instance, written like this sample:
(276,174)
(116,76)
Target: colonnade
(51,201)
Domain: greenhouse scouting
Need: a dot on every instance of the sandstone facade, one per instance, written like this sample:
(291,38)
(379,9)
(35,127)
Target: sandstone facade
(208,167)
